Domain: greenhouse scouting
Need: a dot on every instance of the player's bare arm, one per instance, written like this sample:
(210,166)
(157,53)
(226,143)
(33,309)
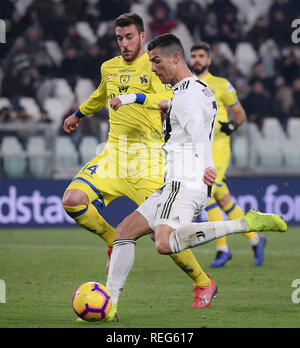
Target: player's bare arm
(71,124)
(239,117)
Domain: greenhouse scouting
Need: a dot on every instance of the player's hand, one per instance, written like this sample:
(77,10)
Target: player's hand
(210,175)
(115,103)
(71,124)
(163,107)
(228,127)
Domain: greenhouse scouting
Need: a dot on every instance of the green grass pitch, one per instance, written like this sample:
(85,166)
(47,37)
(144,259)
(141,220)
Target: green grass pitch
(42,269)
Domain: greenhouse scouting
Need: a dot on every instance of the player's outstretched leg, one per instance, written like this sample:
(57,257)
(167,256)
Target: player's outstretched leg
(194,234)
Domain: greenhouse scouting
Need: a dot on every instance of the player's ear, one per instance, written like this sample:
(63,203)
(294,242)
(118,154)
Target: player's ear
(143,36)
(176,57)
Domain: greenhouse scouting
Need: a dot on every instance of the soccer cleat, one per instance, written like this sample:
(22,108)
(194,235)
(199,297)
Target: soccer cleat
(259,222)
(259,251)
(221,259)
(109,252)
(204,294)
(112,316)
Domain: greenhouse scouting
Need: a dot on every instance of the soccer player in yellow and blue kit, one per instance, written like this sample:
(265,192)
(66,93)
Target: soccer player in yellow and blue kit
(226,96)
(131,164)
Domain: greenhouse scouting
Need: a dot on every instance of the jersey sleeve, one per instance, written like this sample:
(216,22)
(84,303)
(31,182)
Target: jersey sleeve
(229,95)
(159,92)
(97,100)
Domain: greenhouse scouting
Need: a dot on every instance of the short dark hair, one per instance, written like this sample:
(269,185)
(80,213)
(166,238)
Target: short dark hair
(202,46)
(168,43)
(127,19)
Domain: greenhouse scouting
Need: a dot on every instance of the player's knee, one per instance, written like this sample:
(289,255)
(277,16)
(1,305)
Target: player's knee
(162,246)
(123,232)
(74,198)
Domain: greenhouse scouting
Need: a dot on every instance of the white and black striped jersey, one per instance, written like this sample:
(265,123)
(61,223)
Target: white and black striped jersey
(189,133)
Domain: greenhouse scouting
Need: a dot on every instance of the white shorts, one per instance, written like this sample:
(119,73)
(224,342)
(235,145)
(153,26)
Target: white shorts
(173,205)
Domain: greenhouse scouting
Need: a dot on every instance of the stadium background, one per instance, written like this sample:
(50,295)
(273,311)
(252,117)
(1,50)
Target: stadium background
(50,63)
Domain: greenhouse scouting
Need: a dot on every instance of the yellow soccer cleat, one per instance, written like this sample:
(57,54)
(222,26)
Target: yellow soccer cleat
(112,315)
(259,222)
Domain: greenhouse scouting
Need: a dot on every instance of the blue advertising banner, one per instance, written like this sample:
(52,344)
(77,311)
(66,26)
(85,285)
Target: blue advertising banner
(37,203)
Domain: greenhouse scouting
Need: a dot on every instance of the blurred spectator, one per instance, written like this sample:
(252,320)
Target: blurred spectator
(70,67)
(220,63)
(270,56)
(210,31)
(258,104)
(222,6)
(76,9)
(283,103)
(44,62)
(74,40)
(90,65)
(11,85)
(259,74)
(258,33)
(45,118)
(111,9)
(5,115)
(55,26)
(190,13)
(17,58)
(296,98)
(33,39)
(108,46)
(279,28)
(290,63)
(162,22)
(230,29)
(7,8)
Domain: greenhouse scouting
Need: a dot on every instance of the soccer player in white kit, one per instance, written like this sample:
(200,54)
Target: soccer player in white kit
(189,176)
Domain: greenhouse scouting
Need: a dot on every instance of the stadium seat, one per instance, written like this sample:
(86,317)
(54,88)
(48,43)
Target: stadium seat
(84,88)
(226,51)
(272,129)
(240,151)
(85,31)
(64,93)
(31,107)
(87,148)
(269,152)
(65,152)
(14,166)
(293,129)
(4,103)
(56,110)
(245,57)
(37,163)
(54,51)
(291,153)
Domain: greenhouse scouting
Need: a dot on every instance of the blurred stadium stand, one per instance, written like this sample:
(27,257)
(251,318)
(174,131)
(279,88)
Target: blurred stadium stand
(51,62)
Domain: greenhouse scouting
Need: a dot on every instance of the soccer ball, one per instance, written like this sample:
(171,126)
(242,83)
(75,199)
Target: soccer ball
(91,301)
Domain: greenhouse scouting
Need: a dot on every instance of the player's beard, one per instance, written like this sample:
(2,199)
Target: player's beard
(134,54)
(199,69)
